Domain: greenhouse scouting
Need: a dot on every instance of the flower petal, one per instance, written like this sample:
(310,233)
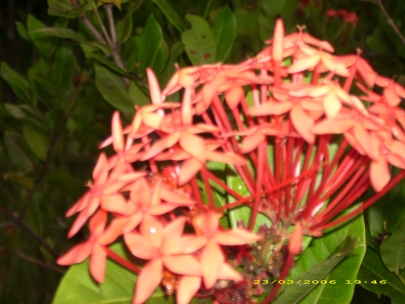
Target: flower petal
(97,263)
(236,237)
(187,288)
(303,123)
(379,174)
(148,280)
(152,230)
(139,246)
(183,264)
(212,259)
(75,255)
(188,170)
(193,145)
(117,135)
(114,203)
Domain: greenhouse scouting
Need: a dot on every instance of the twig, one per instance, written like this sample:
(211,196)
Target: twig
(36,237)
(89,25)
(54,139)
(390,21)
(111,24)
(106,36)
(32,260)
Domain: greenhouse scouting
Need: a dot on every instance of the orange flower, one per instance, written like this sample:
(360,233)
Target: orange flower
(93,248)
(164,246)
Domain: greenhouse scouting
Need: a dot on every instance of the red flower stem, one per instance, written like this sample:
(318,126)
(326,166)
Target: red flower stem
(342,148)
(260,170)
(289,174)
(349,80)
(219,182)
(316,74)
(277,73)
(196,192)
(350,159)
(120,260)
(362,185)
(361,162)
(369,202)
(208,187)
(286,269)
(152,163)
(355,181)
(356,195)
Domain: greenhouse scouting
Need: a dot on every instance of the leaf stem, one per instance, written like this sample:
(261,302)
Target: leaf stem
(390,21)
(400,277)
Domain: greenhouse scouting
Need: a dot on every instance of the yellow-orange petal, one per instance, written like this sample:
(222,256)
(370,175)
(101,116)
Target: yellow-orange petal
(187,288)
(234,96)
(154,87)
(379,174)
(100,172)
(117,135)
(148,280)
(303,123)
(97,263)
(236,237)
(294,246)
(183,264)
(193,145)
(227,272)
(188,170)
(114,203)
(249,143)
(139,246)
(212,259)
(162,144)
(75,255)
(304,64)
(278,37)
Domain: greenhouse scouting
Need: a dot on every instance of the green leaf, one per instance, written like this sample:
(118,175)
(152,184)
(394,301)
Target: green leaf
(392,250)
(77,285)
(373,270)
(170,14)
(69,34)
(124,26)
(22,31)
(16,154)
(136,96)
(147,45)
(175,52)
(108,63)
(37,142)
(17,82)
(242,212)
(64,67)
(335,256)
(113,89)
(199,42)
(42,42)
(224,31)
(64,9)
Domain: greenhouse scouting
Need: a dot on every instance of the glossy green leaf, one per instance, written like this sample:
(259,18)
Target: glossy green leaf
(77,286)
(22,31)
(69,34)
(42,42)
(336,256)
(17,82)
(64,9)
(17,155)
(108,63)
(136,96)
(113,89)
(224,31)
(242,212)
(392,250)
(124,27)
(199,42)
(373,274)
(37,142)
(170,14)
(147,45)
(64,67)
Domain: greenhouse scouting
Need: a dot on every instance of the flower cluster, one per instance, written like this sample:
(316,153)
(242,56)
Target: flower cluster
(271,120)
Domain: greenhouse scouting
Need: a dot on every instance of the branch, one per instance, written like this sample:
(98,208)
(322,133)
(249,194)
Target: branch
(54,139)
(390,21)
(111,24)
(32,260)
(36,237)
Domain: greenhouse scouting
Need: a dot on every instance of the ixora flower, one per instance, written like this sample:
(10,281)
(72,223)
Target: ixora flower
(276,122)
